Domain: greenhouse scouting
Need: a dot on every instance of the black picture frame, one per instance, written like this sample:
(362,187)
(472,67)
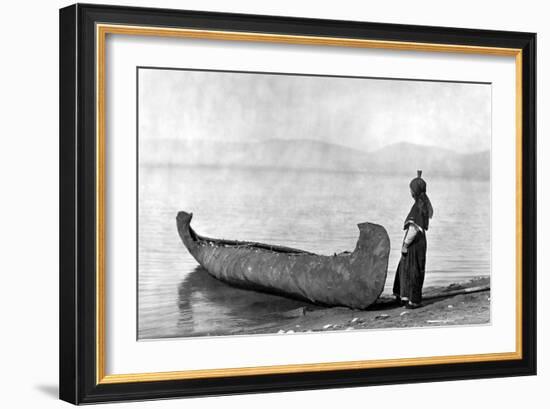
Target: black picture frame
(78,236)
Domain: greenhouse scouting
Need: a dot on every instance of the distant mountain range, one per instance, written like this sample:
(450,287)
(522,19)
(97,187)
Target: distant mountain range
(400,158)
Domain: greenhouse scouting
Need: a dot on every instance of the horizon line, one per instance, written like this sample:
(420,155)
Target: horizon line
(176,139)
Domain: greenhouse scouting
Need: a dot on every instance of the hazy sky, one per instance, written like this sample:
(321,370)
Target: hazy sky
(362,113)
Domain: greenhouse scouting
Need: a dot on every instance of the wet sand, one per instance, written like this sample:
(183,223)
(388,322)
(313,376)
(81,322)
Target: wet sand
(440,308)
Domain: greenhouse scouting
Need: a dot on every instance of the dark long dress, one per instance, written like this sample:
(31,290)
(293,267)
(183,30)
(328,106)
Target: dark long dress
(409,276)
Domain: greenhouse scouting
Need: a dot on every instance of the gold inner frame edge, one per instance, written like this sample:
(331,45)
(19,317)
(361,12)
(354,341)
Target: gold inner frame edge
(101,32)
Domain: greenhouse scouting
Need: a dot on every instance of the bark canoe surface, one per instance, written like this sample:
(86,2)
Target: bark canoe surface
(353,279)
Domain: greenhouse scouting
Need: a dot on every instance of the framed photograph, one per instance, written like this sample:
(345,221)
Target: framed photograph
(258,203)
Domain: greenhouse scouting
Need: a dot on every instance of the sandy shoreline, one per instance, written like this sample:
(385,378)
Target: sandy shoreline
(465,303)
(440,308)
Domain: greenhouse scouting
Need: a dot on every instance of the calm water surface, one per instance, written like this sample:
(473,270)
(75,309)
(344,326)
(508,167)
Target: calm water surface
(314,211)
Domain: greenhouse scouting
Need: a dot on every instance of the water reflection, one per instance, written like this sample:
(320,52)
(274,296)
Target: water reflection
(208,306)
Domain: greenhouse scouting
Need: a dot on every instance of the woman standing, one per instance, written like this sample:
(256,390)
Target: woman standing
(409,277)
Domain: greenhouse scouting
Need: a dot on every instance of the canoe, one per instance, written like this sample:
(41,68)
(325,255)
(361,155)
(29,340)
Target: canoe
(352,279)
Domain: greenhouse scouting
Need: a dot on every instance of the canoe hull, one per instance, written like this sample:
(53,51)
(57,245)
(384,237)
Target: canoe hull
(354,279)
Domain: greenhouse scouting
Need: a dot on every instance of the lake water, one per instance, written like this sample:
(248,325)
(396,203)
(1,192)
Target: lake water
(310,210)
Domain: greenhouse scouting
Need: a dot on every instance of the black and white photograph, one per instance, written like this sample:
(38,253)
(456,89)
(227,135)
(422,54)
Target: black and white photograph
(281,203)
